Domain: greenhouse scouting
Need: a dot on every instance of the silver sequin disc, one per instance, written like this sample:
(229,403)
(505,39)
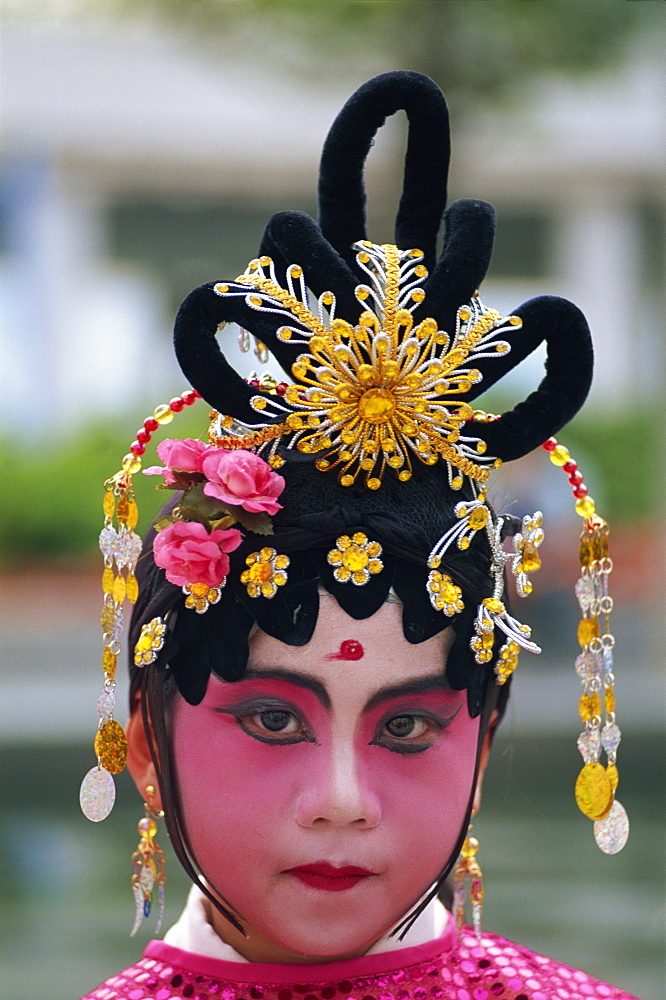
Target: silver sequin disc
(612,833)
(97,795)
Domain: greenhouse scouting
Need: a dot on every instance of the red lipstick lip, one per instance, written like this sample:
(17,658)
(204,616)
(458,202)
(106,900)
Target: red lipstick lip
(327,870)
(327,878)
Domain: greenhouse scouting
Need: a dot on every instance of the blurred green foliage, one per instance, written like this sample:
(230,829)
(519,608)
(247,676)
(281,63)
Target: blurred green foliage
(52,500)
(480,51)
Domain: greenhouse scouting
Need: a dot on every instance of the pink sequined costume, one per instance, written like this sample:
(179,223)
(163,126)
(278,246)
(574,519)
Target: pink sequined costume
(444,969)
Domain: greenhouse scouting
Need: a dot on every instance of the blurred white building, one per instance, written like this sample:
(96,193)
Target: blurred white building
(135,166)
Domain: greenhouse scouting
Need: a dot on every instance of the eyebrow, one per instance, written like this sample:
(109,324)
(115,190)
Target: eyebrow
(293,677)
(419,685)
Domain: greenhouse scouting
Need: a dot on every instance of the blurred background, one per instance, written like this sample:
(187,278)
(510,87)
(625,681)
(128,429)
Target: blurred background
(144,144)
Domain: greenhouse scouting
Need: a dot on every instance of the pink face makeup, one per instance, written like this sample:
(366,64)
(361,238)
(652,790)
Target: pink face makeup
(350,649)
(322,795)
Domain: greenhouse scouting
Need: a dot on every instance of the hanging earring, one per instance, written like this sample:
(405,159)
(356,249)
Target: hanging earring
(468,867)
(148,861)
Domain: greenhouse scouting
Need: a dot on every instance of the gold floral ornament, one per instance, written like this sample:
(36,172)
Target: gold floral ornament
(473,516)
(200,596)
(526,558)
(355,559)
(150,642)
(266,572)
(507,661)
(492,614)
(380,394)
(444,594)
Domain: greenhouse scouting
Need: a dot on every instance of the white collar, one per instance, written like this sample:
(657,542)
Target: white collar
(192,932)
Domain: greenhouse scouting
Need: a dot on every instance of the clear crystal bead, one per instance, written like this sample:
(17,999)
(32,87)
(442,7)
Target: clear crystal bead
(588,666)
(611,833)
(128,549)
(608,660)
(610,737)
(589,745)
(134,547)
(107,541)
(105,704)
(584,591)
(97,795)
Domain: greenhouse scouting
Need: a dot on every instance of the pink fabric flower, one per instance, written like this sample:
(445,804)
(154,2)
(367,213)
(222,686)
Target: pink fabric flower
(189,554)
(242,478)
(181,456)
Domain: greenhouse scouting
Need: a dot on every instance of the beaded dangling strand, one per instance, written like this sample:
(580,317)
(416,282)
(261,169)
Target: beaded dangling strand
(596,784)
(468,868)
(121,547)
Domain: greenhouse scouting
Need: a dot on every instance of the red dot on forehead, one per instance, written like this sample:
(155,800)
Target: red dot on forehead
(350,649)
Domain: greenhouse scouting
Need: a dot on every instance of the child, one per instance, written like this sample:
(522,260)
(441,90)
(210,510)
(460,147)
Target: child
(321,641)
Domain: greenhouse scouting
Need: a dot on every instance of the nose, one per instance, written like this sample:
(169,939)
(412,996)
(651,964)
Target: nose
(337,792)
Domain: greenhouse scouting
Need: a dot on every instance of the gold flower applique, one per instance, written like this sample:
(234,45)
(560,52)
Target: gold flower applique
(444,594)
(355,559)
(266,572)
(150,642)
(200,596)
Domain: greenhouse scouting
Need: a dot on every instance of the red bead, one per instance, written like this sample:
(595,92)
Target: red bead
(570,467)
(176,404)
(576,478)
(137,449)
(254,382)
(190,396)
(580,491)
(549,445)
(143,437)
(281,388)
(150,424)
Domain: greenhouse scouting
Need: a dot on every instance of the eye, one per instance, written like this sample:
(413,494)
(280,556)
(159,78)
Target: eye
(411,732)
(268,722)
(277,720)
(402,726)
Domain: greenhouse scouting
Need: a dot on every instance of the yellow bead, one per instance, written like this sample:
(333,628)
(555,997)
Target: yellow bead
(108,578)
(163,414)
(589,705)
(111,746)
(585,552)
(131,463)
(261,572)
(122,510)
(119,589)
(609,699)
(559,455)
(585,507)
(132,588)
(346,480)
(594,793)
(109,503)
(147,827)
(132,514)
(588,629)
(109,663)
(404,476)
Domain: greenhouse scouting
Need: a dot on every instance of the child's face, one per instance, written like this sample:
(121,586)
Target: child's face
(348,753)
